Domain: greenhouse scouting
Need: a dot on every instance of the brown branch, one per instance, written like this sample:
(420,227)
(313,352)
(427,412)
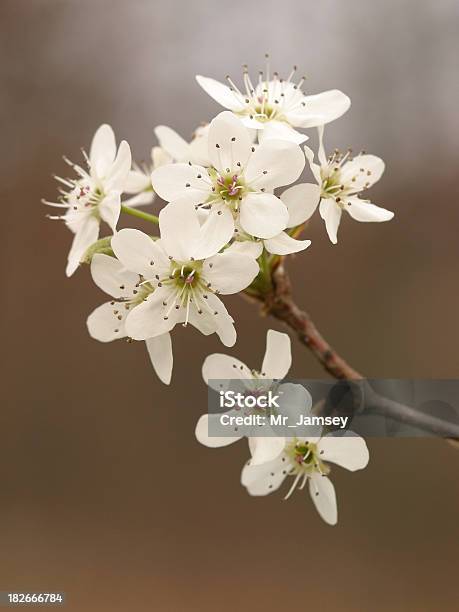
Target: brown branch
(279,303)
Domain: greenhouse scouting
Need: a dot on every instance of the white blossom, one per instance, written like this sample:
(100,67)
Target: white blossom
(306,461)
(341,180)
(276,106)
(95,195)
(220,370)
(186,272)
(301,201)
(108,321)
(237,188)
(172,148)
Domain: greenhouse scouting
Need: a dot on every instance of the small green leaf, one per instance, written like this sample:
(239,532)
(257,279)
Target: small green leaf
(103,245)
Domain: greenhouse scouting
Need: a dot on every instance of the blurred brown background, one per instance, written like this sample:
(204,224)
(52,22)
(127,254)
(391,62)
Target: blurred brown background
(105,493)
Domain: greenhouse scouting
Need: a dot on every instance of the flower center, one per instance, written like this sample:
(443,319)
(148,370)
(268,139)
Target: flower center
(185,276)
(85,195)
(263,111)
(305,458)
(141,292)
(229,186)
(331,181)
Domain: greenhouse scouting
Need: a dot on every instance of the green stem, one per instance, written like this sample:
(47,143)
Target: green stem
(140,214)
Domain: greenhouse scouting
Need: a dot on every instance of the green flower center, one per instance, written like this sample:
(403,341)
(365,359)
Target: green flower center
(264,111)
(229,186)
(331,181)
(305,456)
(186,275)
(85,196)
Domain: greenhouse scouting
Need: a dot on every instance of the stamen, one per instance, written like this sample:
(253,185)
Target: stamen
(292,488)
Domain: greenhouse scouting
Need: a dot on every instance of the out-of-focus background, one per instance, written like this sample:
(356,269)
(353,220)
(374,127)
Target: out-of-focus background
(104,492)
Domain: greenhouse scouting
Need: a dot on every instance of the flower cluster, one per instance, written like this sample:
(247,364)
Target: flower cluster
(232,208)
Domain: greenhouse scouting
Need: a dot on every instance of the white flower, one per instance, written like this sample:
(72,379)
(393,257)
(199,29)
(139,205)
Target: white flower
(237,189)
(96,194)
(275,106)
(341,179)
(305,459)
(218,368)
(301,201)
(172,148)
(179,150)
(187,274)
(108,321)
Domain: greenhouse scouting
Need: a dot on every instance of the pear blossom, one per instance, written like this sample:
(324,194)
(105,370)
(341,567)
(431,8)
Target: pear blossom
(341,180)
(179,150)
(95,195)
(301,201)
(172,148)
(108,322)
(306,461)
(276,106)
(237,189)
(138,183)
(219,370)
(187,273)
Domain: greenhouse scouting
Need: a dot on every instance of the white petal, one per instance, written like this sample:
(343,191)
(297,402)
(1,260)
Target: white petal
(301,202)
(230,272)
(202,433)
(174,145)
(139,253)
(86,235)
(221,93)
(216,231)
(180,181)
(265,478)
(362,210)
(111,276)
(148,319)
(274,163)
(160,351)
(362,172)
(278,355)
(159,157)
(324,497)
(349,451)
(283,244)
(224,324)
(119,171)
(103,150)
(321,152)
(265,449)
(294,402)
(141,199)
(331,214)
(320,109)
(103,323)
(199,147)
(315,168)
(229,143)
(110,209)
(252,123)
(180,230)
(279,130)
(136,182)
(263,215)
(223,367)
(251,248)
